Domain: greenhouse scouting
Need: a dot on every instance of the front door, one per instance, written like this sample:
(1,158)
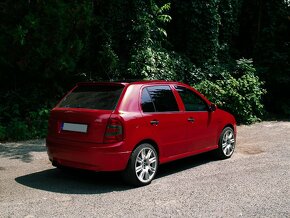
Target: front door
(200,130)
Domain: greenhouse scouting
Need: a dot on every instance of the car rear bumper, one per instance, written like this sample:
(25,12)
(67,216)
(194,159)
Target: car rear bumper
(88,156)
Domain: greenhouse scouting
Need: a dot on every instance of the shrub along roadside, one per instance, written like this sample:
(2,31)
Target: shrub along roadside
(34,125)
(239,93)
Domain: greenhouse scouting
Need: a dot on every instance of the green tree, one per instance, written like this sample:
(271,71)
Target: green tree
(194,30)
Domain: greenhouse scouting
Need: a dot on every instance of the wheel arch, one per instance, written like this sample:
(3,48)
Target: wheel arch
(221,130)
(229,125)
(149,141)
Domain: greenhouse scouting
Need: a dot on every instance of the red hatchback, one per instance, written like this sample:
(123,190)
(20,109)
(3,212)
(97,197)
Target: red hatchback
(134,127)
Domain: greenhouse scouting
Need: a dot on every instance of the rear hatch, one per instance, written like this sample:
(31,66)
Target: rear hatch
(83,114)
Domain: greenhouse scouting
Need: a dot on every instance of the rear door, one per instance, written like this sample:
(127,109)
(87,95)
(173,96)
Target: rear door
(200,125)
(83,114)
(162,115)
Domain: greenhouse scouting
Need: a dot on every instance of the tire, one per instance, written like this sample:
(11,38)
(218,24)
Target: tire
(227,144)
(142,166)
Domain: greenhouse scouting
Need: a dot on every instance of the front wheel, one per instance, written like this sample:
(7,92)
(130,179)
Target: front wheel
(142,165)
(227,144)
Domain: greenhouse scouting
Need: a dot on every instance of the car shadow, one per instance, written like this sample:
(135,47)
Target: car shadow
(22,150)
(73,181)
(184,164)
(87,182)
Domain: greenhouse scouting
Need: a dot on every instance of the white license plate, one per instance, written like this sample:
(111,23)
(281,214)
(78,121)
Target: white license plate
(74,127)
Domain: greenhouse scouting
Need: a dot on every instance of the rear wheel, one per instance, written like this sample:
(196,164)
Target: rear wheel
(142,166)
(227,144)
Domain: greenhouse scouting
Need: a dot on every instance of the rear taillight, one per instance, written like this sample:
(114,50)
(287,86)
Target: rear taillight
(114,131)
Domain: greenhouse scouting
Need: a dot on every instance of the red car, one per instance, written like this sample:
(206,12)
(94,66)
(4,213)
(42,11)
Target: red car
(134,127)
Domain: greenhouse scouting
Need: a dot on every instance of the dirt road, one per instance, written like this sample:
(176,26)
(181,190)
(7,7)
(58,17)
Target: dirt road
(255,182)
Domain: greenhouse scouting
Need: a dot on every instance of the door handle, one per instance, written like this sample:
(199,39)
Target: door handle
(191,119)
(154,122)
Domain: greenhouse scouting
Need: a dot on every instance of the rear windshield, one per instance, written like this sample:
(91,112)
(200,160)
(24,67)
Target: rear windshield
(100,97)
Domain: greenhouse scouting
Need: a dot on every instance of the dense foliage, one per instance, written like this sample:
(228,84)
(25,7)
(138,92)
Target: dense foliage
(239,92)
(47,46)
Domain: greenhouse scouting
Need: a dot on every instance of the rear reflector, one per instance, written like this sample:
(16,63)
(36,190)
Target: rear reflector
(114,131)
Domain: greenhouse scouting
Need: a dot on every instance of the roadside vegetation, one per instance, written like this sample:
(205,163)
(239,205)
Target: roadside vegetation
(236,52)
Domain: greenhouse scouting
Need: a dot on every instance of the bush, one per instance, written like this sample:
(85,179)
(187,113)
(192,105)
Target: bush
(2,132)
(34,125)
(24,113)
(17,130)
(38,121)
(239,93)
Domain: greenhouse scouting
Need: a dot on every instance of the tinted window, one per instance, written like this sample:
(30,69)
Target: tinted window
(191,101)
(163,98)
(101,97)
(147,104)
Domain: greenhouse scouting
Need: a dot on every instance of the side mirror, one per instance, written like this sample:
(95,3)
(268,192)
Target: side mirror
(212,107)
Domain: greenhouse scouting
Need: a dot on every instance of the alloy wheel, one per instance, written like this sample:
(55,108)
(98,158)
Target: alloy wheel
(146,164)
(228,143)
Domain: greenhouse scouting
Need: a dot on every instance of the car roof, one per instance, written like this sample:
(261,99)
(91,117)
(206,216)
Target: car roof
(102,83)
(125,83)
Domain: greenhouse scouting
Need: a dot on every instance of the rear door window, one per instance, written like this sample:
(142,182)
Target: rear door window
(100,97)
(158,99)
(147,104)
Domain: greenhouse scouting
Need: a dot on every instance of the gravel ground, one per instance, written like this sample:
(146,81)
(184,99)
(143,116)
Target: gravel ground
(255,182)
